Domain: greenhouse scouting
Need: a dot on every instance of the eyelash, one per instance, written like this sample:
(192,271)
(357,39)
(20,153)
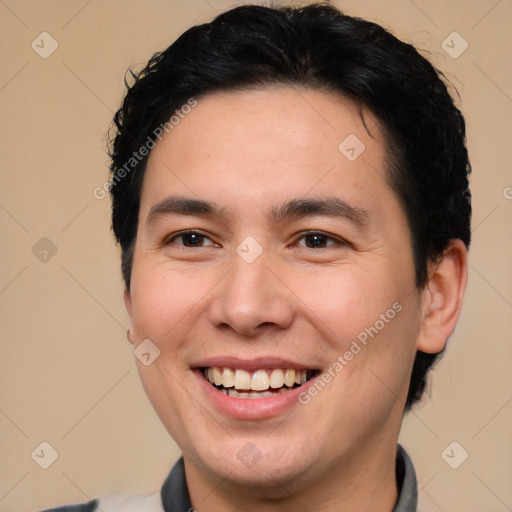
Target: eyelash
(182,234)
(302,236)
(326,236)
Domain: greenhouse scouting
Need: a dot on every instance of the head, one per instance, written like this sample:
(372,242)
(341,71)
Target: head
(331,153)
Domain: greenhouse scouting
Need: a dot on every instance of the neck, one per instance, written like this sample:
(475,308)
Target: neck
(362,482)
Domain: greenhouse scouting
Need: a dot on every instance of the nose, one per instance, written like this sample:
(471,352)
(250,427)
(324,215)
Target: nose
(252,299)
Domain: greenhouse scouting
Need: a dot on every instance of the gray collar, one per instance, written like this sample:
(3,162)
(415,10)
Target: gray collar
(407,484)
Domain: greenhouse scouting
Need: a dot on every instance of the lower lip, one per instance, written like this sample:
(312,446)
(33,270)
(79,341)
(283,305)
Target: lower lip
(251,408)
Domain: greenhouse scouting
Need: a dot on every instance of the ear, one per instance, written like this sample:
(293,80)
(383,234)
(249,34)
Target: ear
(128,304)
(442,298)
(128,301)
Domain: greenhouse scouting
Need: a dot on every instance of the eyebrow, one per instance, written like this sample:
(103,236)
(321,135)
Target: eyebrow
(293,209)
(177,205)
(328,207)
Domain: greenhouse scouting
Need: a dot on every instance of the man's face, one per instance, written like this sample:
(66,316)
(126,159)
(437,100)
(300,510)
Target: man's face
(302,250)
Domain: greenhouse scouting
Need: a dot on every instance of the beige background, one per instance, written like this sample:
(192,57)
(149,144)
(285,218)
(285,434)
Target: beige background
(67,372)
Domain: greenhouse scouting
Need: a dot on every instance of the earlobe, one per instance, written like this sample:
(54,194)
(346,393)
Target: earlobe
(128,304)
(442,298)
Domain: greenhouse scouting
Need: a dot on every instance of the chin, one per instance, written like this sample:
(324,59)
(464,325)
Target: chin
(262,464)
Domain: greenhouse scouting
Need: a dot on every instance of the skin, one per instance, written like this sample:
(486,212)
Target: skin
(248,152)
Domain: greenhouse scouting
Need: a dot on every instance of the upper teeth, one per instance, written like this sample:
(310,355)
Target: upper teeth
(260,380)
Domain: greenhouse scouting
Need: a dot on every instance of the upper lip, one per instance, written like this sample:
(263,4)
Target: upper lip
(250,364)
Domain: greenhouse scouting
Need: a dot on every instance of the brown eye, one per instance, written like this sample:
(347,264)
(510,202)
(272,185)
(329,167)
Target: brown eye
(191,239)
(317,241)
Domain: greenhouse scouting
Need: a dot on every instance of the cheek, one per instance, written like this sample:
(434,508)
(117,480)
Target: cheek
(370,319)
(383,366)
(346,300)
(161,299)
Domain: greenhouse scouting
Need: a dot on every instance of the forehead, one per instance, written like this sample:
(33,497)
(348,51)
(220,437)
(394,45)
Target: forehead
(257,146)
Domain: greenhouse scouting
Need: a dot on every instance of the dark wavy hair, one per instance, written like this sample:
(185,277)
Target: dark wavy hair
(317,47)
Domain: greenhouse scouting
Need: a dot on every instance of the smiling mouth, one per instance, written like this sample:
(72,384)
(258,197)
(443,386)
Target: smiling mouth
(261,383)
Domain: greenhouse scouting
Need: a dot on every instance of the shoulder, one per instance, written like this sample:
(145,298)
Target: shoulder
(174,492)
(90,506)
(118,503)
